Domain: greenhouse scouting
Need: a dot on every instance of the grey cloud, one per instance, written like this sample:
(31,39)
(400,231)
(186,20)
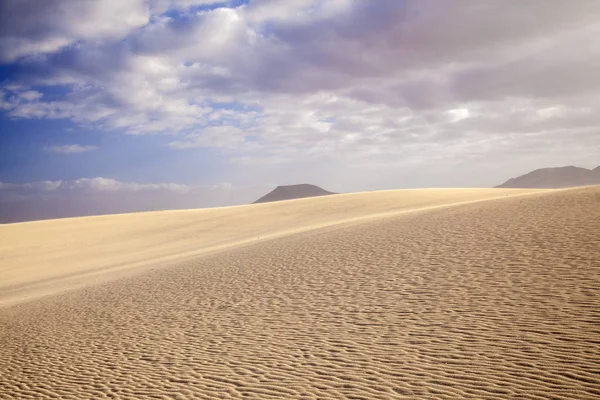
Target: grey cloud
(388,39)
(383,40)
(30,27)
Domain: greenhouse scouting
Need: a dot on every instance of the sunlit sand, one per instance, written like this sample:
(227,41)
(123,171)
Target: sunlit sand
(49,256)
(438,293)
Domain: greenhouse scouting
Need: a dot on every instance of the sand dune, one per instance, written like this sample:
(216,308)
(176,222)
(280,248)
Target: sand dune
(45,257)
(483,300)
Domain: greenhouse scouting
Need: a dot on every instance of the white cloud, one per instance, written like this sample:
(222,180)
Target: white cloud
(111,185)
(42,186)
(31,95)
(158,7)
(98,184)
(295,11)
(368,84)
(458,114)
(70,148)
(223,137)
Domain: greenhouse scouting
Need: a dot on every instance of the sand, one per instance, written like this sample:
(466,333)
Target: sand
(405,294)
(46,257)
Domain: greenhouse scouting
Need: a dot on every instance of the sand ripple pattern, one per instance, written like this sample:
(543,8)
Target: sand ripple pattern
(495,300)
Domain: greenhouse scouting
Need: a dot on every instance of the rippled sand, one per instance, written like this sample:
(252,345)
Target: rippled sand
(490,299)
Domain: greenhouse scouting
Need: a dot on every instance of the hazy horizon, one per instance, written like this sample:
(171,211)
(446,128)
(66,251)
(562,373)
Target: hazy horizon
(109,106)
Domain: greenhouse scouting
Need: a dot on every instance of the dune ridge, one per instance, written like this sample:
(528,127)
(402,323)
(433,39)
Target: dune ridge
(492,299)
(50,256)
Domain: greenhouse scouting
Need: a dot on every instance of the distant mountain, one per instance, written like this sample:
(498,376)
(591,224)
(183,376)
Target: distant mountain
(293,192)
(553,178)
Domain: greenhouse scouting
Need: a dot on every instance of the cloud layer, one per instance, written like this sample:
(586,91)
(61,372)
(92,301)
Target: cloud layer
(93,184)
(351,85)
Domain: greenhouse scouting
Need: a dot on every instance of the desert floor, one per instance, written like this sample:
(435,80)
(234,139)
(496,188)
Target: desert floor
(439,293)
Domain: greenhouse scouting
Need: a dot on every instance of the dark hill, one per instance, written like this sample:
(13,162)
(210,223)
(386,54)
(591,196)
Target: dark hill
(293,192)
(553,178)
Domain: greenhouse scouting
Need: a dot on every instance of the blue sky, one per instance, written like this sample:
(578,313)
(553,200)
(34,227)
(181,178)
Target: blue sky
(151,104)
(35,150)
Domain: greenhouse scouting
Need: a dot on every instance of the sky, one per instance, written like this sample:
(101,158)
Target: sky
(117,106)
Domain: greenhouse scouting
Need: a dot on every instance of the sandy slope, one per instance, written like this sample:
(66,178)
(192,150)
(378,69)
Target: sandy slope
(494,299)
(38,258)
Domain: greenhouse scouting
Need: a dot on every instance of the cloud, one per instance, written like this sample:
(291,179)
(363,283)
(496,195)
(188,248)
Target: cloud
(70,148)
(111,185)
(222,137)
(97,184)
(43,186)
(30,27)
(366,84)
